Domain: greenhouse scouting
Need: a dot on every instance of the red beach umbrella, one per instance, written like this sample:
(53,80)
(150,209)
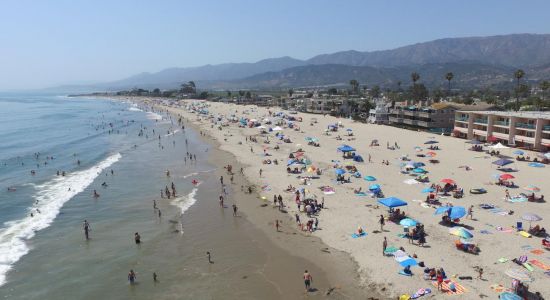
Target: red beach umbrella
(448,180)
(507,176)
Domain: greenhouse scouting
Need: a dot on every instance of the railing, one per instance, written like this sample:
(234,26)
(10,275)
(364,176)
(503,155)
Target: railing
(482,121)
(546,127)
(525,125)
(502,123)
(463,119)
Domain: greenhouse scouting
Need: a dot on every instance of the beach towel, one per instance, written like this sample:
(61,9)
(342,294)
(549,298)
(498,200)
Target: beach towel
(517,199)
(329,192)
(410,181)
(486,206)
(421,292)
(539,265)
(499,288)
(355,235)
(525,234)
(502,213)
(390,250)
(537,251)
(547,273)
(504,230)
(502,260)
(527,247)
(528,267)
(447,290)
(361,194)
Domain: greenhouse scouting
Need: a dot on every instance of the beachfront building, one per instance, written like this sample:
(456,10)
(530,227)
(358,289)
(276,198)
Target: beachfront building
(438,117)
(530,130)
(380,114)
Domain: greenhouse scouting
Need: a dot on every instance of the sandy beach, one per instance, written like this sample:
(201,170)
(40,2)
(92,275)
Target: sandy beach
(344,211)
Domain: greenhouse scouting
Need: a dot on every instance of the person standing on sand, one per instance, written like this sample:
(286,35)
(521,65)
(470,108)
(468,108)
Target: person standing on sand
(439,278)
(471,212)
(234,210)
(209,258)
(382,222)
(221,180)
(277,225)
(86,226)
(221,200)
(384,246)
(308,279)
(261,171)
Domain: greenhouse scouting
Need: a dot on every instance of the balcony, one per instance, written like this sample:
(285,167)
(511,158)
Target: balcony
(524,139)
(502,123)
(480,132)
(462,119)
(546,128)
(525,126)
(500,135)
(480,121)
(461,129)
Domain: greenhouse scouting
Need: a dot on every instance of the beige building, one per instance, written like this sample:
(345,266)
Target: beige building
(529,130)
(436,117)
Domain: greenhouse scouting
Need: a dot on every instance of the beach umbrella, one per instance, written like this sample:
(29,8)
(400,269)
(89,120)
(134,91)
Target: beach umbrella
(461,232)
(506,176)
(340,171)
(530,217)
(536,165)
(277,128)
(349,129)
(392,202)
(499,146)
(374,187)
(475,142)
(346,148)
(431,142)
(419,170)
(428,190)
(519,274)
(408,262)
(369,178)
(448,180)
(532,188)
(418,164)
(408,222)
(454,212)
(502,162)
(518,152)
(431,153)
(509,296)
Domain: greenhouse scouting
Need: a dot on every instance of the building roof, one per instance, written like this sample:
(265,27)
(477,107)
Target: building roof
(444,105)
(520,114)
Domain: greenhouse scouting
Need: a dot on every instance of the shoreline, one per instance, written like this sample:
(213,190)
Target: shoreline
(340,276)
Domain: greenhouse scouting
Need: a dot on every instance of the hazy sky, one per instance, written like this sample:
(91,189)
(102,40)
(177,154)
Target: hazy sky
(46,43)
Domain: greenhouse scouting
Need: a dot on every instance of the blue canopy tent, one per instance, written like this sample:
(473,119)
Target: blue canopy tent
(430,142)
(392,202)
(346,148)
(454,212)
(340,171)
(502,162)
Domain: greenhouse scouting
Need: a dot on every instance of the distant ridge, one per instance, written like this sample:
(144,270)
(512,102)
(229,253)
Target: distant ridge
(478,62)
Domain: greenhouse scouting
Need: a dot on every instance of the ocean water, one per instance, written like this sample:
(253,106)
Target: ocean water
(43,251)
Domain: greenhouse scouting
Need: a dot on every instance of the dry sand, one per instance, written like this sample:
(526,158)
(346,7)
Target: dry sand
(345,211)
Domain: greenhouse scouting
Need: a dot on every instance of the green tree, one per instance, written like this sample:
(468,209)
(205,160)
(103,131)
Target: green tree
(518,74)
(156,92)
(449,76)
(290,93)
(375,91)
(332,91)
(365,89)
(418,92)
(228,94)
(248,95)
(415,77)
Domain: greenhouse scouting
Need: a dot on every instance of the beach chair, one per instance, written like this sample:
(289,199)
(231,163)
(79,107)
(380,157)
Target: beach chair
(519,226)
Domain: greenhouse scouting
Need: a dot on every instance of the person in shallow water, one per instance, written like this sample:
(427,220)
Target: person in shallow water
(137,238)
(86,227)
(132,277)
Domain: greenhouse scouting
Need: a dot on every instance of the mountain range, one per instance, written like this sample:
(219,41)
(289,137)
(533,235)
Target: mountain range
(476,62)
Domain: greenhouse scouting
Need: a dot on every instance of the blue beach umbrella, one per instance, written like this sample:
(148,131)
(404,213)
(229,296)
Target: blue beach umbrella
(346,148)
(431,142)
(419,171)
(409,262)
(502,162)
(374,187)
(408,222)
(536,165)
(428,190)
(340,171)
(518,152)
(509,296)
(418,164)
(369,178)
(455,212)
(392,202)
(349,129)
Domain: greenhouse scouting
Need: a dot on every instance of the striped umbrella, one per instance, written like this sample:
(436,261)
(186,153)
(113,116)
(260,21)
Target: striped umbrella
(461,232)
(507,176)
(532,188)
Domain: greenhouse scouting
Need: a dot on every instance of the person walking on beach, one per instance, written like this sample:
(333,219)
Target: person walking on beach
(221,200)
(132,276)
(234,210)
(154,204)
(277,225)
(382,222)
(160,214)
(86,226)
(308,279)
(506,195)
(221,180)
(439,278)
(261,171)
(209,257)
(471,212)
(384,246)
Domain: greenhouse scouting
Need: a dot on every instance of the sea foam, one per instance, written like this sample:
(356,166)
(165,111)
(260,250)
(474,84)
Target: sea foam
(50,197)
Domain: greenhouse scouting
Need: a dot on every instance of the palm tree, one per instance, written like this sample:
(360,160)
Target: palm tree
(365,88)
(354,85)
(449,76)
(518,74)
(415,77)
(544,86)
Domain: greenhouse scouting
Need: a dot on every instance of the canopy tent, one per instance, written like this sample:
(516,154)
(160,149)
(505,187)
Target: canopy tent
(430,142)
(392,202)
(346,148)
(454,212)
(499,146)
(502,162)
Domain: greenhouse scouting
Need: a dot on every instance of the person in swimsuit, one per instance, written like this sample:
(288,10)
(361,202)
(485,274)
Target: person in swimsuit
(86,226)
(137,238)
(307,280)
(132,276)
